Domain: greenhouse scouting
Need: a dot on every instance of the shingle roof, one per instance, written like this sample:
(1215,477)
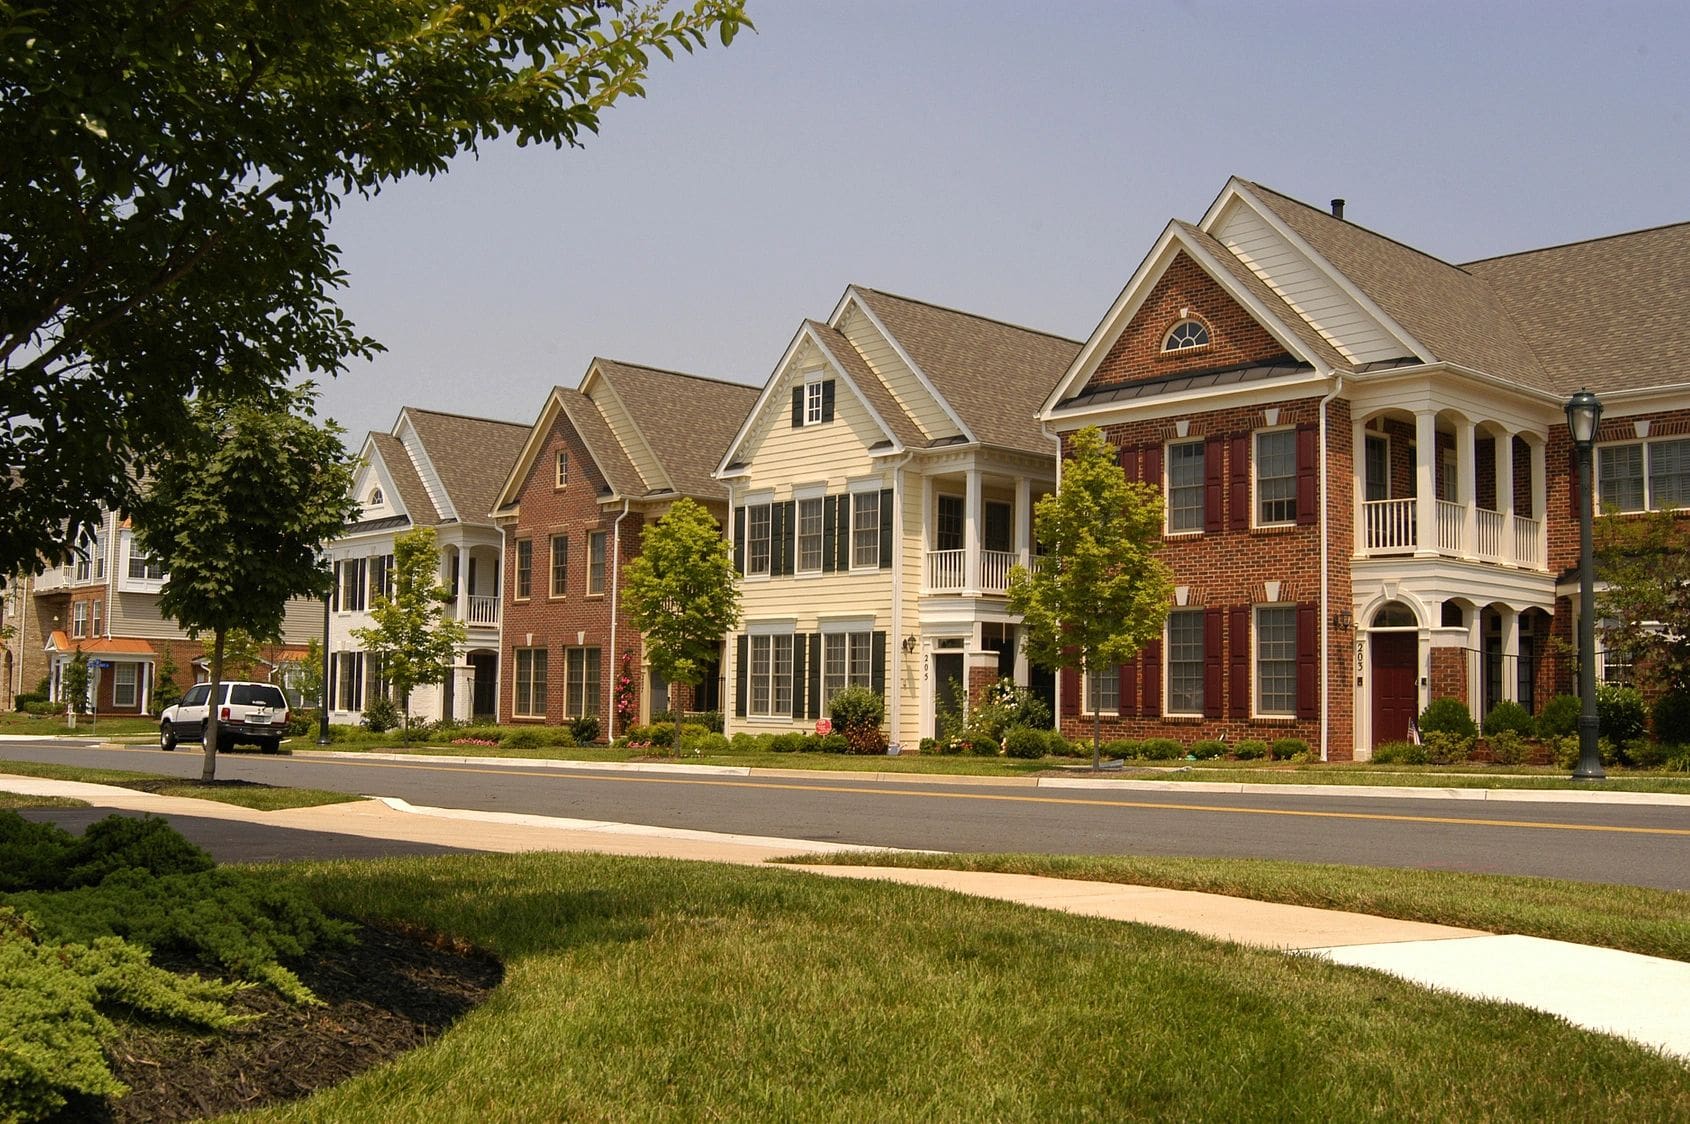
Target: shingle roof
(471,455)
(994,375)
(412,494)
(1454,314)
(1610,314)
(896,417)
(687,420)
(590,425)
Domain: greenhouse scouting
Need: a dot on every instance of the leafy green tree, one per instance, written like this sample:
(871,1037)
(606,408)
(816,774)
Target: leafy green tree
(166,691)
(1101,594)
(238,515)
(412,635)
(308,679)
(170,174)
(682,593)
(74,685)
(1643,606)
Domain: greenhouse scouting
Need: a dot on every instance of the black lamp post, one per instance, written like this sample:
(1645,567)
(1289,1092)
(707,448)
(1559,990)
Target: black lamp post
(1584,412)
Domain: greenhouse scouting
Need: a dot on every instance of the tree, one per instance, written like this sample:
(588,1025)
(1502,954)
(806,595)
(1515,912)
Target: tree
(1100,594)
(682,593)
(169,177)
(238,515)
(412,635)
(1643,563)
(74,685)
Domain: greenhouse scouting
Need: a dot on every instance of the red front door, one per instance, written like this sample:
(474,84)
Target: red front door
(1395,693)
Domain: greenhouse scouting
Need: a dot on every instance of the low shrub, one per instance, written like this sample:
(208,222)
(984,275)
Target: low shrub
(1208,749)
(1250,749)
(524,739)
(954,744)
(745,743)
(584,730)
(380,715)
(788,743)
(1400,753)
(856,712)
(1507,747)
(1287,749)
(1059,746)
(1448,716)
(1160,749)
(1645,754)
(1445,747)
(485,734)
(1560,717)
(42,708)
(1672,718)
(833,743)
(302,723)
(340,733)
(1509,717)
(1025,744)
(706,744)
(984,747)
(1620,712)
(928,745)
(1678,759)
(710,719)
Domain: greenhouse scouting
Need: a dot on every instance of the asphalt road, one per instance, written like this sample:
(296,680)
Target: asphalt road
(1641,845)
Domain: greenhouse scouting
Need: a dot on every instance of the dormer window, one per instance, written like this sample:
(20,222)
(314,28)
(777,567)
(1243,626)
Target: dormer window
(812,402)
(1187,335)
(375,497)
(562,468)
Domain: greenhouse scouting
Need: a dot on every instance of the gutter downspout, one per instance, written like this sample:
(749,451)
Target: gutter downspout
(615,599)
(1325,593)
(1032,541)
(895,711)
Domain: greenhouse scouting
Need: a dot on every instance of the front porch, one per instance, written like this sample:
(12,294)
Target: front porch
(976,525)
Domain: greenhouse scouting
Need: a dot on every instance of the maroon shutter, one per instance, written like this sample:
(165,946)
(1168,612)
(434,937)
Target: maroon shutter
(1240,498)
(1213,667)
(1306,465)
(1239,700)
(1126,678)
(1150,467)
(1150,702)
(1214,485)
(1070,690)
(1308,662)
(1129,462)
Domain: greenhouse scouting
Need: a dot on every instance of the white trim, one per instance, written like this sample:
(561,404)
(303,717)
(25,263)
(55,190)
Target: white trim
(1255,470)
(1256,710)
(854,296)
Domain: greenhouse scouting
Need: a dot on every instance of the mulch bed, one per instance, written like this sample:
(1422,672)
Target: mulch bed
(390,992)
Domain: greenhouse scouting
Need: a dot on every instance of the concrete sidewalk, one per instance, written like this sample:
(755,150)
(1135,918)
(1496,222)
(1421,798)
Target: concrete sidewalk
(1645,999)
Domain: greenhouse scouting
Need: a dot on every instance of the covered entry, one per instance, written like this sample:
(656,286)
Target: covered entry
(1394,646)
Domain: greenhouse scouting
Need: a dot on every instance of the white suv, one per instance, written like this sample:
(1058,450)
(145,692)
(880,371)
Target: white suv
(255,713)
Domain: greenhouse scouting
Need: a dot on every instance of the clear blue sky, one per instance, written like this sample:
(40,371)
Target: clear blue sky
(1008,158)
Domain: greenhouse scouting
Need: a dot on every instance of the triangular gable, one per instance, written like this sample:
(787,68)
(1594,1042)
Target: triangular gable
(1181,277)
(619,475)
(373,471)
(921,391)
(406,432)
(601,388)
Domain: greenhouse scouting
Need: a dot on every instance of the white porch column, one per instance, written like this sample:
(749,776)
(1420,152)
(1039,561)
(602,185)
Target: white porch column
(1475,661)
(1023,521)
(144,673)
(1466,487)
(462,612)
(1425,482)
(1540,499)
(1358,485)
(1510,652)
(1505,486)
(971,536)
(927,507)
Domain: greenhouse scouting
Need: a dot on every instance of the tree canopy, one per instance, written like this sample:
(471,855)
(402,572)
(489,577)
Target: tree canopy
(411,634)
(1099,594)
(169,175)
(1643,608)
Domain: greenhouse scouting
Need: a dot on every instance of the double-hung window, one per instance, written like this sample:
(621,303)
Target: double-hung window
(1185,486)
(1185,661)
(96,611)
(847,661)
(865,529)
(1276,660)
(1644,475)
(381,576)
(123,685)
(530,685)
(1103,691)
(813,403)
(1276,477)
(758,545)
(562,468)
(142,567)
(581,682)
(769,678)
(560,565)
(348,681)
(810,535)
(524,569)
(595,563)
(79,619)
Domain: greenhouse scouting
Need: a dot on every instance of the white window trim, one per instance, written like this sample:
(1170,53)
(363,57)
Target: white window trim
(1085,695)
(1367,437)
(1208,336)
(603,538)
(516,571)
(814,397)
(552,593)
(769,566)
(599,681)
(799,499)
(1648,487)
(1256,692)
(1168,486)
(560,469)
(117,684)
(859,490)
(540,688)
(1255,476)
(770,630)
(1168,664)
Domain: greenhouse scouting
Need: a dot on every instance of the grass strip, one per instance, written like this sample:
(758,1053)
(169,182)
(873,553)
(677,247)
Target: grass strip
(13,801)
(665,990)
(247,794)
(1633,918)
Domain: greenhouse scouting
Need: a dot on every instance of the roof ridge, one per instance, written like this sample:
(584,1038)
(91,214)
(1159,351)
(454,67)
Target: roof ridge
(679,374)
(1579,242)
(1358,226)
(970,315)
(461,417)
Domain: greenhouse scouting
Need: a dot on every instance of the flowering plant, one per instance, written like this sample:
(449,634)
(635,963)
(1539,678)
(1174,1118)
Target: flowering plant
(627,694)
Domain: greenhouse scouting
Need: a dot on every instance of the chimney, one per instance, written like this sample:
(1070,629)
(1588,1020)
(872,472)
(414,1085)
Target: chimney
(1337,208)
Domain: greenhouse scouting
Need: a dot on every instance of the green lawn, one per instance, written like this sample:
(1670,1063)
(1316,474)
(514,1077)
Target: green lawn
(12,801)
(12,722)
(263,797)
(664,990)
(1634,918)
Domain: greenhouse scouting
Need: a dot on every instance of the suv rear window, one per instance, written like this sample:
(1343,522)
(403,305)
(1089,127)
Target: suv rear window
(256,694)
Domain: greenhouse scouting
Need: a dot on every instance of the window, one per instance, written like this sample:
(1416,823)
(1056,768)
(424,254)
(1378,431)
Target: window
(524,569)
(375,497)
(846,662)
(1377,467)
(1449,476)
(1187,335)
(865,529)
(1103,691)
(96,610)
(997,533)
(123,685)
(143,567)
(99,559)
(1276,659)
(349,589)
(812,403)
(562,467)
(1185,661)
(530,683)
(560,565)
(1185,486)
(348,681)
(769,679)
(809,535)
(757,541)
(595,562)
(947,531)
(1276,477)
(376,683)
(381,576)
(1613,662)
(79,619)
(580,682)
(1623,483)
(87,547)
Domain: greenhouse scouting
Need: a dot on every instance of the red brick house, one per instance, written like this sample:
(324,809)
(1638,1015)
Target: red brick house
(600,462)
(1366,463)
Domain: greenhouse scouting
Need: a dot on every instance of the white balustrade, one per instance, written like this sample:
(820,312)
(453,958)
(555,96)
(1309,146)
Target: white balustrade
(1489,531)
(1528,542)
(1388,525)
(1450,519)
(994,570)
(483,610)
(945,570)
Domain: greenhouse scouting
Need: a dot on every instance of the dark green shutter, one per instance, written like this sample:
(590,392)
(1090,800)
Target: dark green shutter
(739,539)
(829,514)
(815,675)
(789,537)
(799,679)
(739,674)
(777,528)
(877,666)
(798,406)
(842,541)
(886,528)
(827,401)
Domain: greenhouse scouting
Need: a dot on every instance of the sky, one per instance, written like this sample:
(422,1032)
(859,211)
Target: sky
(1011,159)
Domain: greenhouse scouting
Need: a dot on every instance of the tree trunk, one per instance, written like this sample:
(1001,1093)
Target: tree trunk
(213,727)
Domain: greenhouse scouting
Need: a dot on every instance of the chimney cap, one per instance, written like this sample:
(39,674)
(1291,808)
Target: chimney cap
(1337,208)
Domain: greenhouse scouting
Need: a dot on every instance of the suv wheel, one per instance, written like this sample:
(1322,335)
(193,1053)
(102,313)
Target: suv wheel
(269,745)
(166,736)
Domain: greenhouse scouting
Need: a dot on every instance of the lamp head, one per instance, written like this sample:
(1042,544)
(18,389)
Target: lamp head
(1584,413)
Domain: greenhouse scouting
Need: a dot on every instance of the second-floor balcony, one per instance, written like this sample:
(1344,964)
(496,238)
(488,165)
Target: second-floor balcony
(947,571)
(482,610)
(1391,527)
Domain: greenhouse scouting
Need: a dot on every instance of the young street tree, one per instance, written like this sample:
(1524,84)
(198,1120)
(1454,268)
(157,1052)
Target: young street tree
(412,636)
(1101,594)
(682,593)
(238,515)
(1643,562)
(170,173)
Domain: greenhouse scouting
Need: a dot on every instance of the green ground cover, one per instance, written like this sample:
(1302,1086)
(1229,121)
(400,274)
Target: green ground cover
(247,794)
(13,801)
(665,990)
(52,726)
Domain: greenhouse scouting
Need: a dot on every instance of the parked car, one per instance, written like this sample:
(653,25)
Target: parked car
(253,713)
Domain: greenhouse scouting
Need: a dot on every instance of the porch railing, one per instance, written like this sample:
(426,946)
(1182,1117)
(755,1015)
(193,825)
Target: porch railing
(1388,525)
(483,609)
(994,570)
(945,570)
(1528,541)
(1450,519)
(1488,528)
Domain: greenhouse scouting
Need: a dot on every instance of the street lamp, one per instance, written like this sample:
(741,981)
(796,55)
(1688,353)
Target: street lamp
(1584,412)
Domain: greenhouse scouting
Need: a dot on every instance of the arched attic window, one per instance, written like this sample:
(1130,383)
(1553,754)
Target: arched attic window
(375,497)
(1186,335)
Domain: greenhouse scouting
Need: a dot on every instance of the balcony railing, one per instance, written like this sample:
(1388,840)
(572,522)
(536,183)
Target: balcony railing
(483,610)
(947,570)
(1391,527)
(1528,542)
(1451,516)
(1488,527)
(1388,526)
(994,570)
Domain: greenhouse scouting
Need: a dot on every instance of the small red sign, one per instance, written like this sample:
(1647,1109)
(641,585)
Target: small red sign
(824,726)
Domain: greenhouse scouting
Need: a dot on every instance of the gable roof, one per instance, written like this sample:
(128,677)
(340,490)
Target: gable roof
(595,433)
(880,399)
(687,421)
(993,375)
(470,455)
(400,469)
